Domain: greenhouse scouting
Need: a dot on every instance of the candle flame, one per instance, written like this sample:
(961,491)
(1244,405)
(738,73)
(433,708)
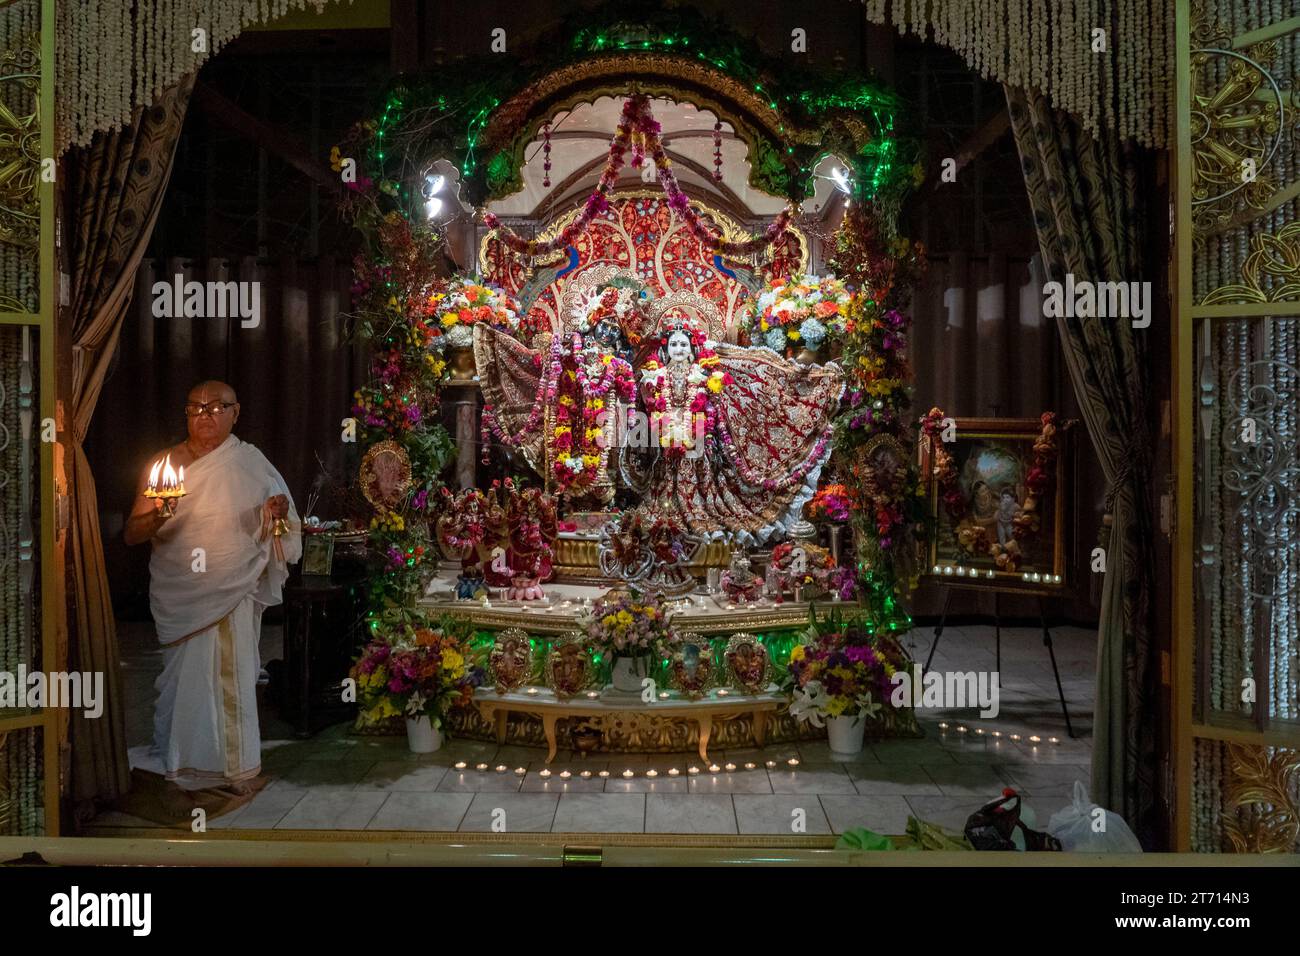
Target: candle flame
(153,473)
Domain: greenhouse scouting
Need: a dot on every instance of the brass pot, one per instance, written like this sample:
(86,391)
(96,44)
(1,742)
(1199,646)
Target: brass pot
(461,363)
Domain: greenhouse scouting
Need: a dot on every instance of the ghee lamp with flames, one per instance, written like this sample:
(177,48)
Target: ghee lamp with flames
(166,484)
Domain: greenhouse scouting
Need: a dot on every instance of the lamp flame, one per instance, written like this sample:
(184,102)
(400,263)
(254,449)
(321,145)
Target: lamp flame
(165,481)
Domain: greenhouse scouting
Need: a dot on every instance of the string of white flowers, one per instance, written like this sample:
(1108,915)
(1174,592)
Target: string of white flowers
(1048,47)
(112,57)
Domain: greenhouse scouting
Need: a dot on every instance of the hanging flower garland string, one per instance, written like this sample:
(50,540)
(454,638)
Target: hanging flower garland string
(639,131)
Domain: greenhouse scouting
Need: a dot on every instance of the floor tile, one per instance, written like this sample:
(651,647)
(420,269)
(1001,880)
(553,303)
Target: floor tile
(819,751)
(776,814)
(333,811)
(743,781)
(644,784)
(402,775)
(600,813)
(319,776)
(533,783)
(881,814)
(266,809)
(967,780)
(689,813)
(475,781)
(421,811)
(815,778)
(951,813)
(893,780)
(511,813)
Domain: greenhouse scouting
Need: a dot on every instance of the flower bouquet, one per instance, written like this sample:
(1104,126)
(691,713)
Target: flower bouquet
(813,569)
(840,679)
(803,312)
(466,303)
(416,672)
(628,627)
(830,503)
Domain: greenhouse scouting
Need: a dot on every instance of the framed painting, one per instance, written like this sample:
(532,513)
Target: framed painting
(318,555)
(999,502)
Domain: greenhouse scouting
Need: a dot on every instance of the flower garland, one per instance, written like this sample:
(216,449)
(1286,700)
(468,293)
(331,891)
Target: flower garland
(970,537)
(807,310)
(400,399)
(639,131)
(708,381)
(873,441)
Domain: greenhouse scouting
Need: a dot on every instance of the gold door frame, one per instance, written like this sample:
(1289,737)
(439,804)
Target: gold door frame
(15,193)
(1207,203)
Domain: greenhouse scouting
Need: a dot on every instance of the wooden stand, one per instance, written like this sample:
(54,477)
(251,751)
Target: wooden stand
(997,639)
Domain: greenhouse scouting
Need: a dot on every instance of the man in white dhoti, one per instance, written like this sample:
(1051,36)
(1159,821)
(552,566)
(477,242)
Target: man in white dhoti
(216,565)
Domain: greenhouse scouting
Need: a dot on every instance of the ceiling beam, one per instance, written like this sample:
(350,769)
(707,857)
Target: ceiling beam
(980,139)
(265,135)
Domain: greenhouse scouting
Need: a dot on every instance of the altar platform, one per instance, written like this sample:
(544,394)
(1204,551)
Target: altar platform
(705,614)
(600,719)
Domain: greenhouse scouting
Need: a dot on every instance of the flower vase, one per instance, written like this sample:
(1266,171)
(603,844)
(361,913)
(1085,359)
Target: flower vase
(845,733)
(421,736)
(461,363)
(836,535)
(628,673)
(809,356)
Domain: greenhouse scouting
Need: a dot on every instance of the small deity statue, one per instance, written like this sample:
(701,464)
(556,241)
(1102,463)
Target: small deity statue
(1008,508)
(738,582)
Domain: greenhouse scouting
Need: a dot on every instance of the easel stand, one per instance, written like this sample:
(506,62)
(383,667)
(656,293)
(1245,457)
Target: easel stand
(997,638)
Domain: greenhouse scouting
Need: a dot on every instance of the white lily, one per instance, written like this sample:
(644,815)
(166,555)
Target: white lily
(809,703)
(867,707)
(415,706)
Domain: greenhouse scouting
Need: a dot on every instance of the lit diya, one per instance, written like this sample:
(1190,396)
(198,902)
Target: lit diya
(166,484)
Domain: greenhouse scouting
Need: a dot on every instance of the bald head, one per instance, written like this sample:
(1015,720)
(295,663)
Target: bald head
(211,391)
(211,410)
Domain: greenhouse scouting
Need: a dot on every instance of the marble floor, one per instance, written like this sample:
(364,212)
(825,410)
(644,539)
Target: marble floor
(335,781)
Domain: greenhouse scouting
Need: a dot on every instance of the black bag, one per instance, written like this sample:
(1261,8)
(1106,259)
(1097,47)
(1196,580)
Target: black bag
(991,826)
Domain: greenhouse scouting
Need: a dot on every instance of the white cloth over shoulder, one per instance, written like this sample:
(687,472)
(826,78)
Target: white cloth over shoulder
(218,549)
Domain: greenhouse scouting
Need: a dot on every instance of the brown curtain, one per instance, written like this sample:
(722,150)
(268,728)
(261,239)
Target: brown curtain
(294,374)
(115,190)
(1083,190)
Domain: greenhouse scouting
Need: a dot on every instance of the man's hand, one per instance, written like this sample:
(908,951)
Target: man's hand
(144,522)
(279,505)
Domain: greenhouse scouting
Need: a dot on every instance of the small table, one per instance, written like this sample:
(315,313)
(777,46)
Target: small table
(323,618)
(545,705)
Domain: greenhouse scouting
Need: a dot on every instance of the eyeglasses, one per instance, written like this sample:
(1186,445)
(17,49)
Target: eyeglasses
(195,409)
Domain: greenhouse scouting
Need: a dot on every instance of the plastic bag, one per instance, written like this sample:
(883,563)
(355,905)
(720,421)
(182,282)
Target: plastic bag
(1084,827)
(860,838)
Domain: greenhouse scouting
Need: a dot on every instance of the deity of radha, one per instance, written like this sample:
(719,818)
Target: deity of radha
(736,437)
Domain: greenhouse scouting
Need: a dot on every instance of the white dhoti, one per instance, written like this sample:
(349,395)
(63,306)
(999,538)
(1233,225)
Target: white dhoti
(215,568)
